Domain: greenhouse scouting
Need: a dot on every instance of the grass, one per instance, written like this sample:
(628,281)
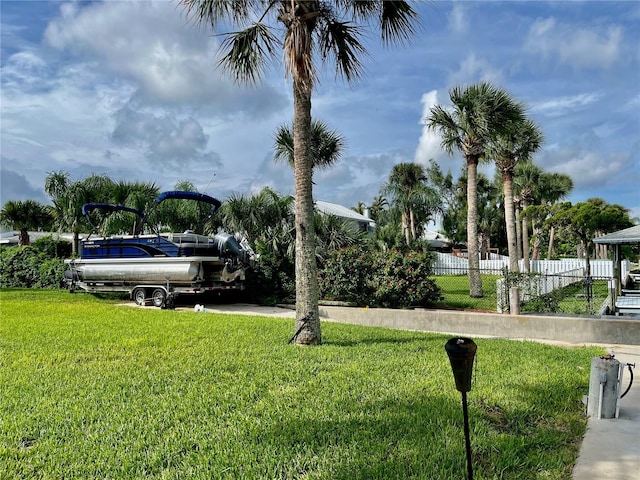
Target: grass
(92,389)
(455,292)
(574,301)
(571,300)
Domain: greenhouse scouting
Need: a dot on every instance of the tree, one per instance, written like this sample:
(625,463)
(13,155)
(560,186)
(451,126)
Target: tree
(554,187)
(513,145)
(586,219)
(479,112)
(310,28)
(25,215)
(265,220)
(138,195)
(180,215)
(378,207)
(526,186)
(416,201)
(69,196)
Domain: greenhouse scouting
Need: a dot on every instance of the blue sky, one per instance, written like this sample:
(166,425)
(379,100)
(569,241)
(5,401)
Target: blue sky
(130,89)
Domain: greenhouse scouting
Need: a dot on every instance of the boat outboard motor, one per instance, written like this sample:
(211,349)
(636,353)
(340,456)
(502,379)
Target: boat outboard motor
(228,245)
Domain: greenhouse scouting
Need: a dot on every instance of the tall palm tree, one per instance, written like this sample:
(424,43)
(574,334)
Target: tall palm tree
(411,196)
(311,29)
(25,215)
(513,145)
(478,112)
(526,186)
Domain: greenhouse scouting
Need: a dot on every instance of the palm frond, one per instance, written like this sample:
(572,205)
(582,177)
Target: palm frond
(248,52)
(283,141)
(397,21)
(214,11)
(340,41)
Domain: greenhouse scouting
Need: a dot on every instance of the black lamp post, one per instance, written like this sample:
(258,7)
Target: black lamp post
(461,352)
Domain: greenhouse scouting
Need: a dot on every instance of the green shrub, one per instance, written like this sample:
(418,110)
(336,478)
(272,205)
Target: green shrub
(401,279)
(346,275)
(52,247)
(51,273)
(392,278)
(272,280)
(27,267)
(548,303)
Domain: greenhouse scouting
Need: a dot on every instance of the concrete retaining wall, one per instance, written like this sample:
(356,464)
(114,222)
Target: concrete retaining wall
(614,330)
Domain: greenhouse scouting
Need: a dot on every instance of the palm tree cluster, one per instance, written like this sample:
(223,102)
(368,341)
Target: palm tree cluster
(68,197)
(485,123)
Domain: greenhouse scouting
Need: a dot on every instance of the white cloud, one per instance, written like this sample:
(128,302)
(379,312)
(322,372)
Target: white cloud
(458,22)
(473,69)
(575,46)
(171,61)
(429,143)
(588,169)
(563,105)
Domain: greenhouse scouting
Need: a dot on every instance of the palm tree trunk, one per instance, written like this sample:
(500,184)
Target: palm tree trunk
(519,240)
(75,244)
(307,325)
(413,224)
(475,280)
(525,240)
(23,238)
(537,233)
(552,235)
(509,218)
(405,227)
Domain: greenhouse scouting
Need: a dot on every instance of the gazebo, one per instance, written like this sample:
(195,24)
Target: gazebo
(628,236)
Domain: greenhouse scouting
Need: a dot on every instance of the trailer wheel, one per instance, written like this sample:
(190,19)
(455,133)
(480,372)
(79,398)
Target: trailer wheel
(139,296)
(158,297)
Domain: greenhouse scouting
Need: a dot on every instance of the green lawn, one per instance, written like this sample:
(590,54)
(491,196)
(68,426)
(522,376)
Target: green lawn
(91,389)
(455,292)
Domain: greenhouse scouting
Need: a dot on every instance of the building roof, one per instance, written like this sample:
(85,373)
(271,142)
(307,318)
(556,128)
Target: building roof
(628,236)
(341,211)
(12,237)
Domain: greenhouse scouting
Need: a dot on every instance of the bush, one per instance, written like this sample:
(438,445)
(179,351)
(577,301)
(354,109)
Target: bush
(346,275)
(272,280)
(53,248)
(392,278)
(27,267)
(548,303)
(401,279)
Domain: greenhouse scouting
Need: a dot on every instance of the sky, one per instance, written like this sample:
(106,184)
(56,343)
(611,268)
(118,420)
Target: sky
(131,89)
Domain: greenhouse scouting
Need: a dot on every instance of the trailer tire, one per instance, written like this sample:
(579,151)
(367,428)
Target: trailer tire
(139,296)
(158,297)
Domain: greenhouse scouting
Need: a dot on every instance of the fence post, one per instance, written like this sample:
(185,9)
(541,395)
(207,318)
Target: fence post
(514,301)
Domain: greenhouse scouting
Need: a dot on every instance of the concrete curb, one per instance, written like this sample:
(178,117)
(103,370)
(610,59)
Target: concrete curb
(577,330)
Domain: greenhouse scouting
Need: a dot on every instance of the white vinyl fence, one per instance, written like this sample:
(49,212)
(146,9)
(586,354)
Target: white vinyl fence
(447,264)
(554,274)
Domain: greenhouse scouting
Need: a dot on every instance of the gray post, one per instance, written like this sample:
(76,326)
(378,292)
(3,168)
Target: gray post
(514,301)
(603,387)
